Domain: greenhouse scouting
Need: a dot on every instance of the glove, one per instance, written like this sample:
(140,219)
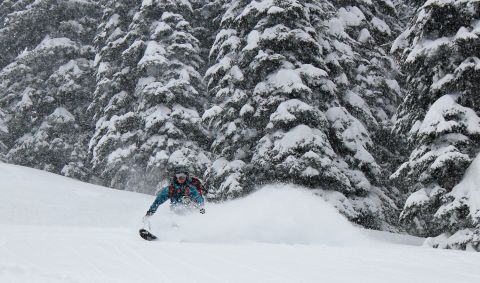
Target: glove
(149,213)
(202,210)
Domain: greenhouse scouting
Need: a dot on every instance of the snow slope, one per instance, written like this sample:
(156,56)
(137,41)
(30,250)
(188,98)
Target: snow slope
(55,229)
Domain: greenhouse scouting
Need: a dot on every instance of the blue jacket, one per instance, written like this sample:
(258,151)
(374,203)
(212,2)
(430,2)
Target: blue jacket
(178,195)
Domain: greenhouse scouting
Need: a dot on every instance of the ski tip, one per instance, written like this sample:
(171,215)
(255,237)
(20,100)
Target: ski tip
(146,235)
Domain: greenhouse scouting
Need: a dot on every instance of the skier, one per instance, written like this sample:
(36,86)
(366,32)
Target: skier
(183,194)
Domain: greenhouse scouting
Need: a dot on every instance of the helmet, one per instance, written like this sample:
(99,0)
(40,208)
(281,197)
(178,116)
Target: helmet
(180,169)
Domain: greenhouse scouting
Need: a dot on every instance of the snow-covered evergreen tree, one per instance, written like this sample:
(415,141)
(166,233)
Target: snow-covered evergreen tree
(115,82)
(263,56)
(207,16)
(358,54)
(171,92)
(46,85)
(149,96)
(358,41)
(283,108)
(439,117)
(17,17)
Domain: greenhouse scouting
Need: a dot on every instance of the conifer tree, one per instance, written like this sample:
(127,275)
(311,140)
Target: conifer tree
(113,101)
(46,83)
(149,96)
(279,111)
(171,92)
(251,78)
(439,118)
(357,43)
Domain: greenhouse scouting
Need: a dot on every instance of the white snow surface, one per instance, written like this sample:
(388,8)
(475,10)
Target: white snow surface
(55,229)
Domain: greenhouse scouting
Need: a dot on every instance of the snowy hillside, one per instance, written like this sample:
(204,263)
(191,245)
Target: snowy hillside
(55,229)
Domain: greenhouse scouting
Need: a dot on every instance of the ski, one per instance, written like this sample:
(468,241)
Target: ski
(146,235)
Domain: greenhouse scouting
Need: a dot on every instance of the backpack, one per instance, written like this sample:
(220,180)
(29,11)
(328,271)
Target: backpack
(195,181)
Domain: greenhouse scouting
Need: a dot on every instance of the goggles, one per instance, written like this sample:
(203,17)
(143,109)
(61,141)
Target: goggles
(181,176)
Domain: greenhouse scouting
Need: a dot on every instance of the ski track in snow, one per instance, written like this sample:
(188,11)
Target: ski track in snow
(54,229)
